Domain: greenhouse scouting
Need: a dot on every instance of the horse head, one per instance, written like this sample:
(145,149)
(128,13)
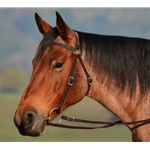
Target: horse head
(51,68)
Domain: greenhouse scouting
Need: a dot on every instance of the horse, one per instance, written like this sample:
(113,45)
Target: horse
(70,64)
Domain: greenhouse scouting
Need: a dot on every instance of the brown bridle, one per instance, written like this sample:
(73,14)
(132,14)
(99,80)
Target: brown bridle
(77,55)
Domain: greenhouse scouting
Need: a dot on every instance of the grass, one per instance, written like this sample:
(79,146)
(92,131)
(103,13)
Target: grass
(84,109)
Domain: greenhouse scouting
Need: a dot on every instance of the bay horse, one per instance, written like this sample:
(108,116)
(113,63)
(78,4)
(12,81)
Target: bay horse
(69,65)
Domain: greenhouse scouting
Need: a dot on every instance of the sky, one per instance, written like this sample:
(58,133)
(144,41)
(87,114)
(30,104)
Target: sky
(77,3)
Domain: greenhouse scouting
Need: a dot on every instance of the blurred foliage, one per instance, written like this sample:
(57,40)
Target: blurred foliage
(13,80)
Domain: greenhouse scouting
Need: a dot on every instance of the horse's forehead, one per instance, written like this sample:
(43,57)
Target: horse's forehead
(51,53)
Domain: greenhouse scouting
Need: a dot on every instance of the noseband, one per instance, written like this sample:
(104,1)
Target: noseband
(77,55)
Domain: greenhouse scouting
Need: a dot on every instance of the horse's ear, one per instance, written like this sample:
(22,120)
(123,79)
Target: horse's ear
(43,26)
(63,29)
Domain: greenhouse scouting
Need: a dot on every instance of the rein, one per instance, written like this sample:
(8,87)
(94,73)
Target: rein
(103,123)
(77,55)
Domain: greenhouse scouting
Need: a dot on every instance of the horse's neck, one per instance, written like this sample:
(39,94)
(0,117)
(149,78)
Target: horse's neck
(110,98)
(121,104)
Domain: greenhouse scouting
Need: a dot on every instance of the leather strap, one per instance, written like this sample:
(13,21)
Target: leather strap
(89,79)
(103,123)
(68,85)
(108,124)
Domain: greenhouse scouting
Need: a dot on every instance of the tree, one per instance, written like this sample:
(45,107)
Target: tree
(13,80)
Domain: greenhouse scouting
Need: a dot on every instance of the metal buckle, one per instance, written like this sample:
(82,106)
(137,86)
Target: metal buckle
(70,81)
(77,52)
(89,80)
(70,119)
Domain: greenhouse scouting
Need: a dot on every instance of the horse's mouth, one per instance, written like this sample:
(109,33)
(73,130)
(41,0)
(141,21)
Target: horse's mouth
(34,127)
(31,124)
(38,129)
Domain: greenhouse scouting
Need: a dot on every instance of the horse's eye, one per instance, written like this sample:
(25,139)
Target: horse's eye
(58,66)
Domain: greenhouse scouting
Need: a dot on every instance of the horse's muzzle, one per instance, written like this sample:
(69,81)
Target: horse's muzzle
(31,124)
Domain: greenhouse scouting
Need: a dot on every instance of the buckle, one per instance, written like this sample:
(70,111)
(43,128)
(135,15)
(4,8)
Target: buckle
(70,81)
(70,119)
(77,52)
(89,80)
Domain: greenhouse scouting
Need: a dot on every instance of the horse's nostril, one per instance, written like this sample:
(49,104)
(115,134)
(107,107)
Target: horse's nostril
(28,119)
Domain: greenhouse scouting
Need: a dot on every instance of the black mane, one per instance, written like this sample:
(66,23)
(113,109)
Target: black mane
(124,60)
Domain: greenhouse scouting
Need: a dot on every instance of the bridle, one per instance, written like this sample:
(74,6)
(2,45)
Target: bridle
(77,55)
